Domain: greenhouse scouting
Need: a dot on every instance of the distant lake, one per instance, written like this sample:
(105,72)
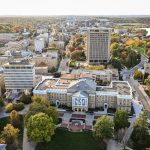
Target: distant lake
(147,29)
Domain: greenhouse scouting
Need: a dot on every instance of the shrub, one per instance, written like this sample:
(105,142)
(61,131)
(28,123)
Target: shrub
(19,106)
(1,102)
(9,107)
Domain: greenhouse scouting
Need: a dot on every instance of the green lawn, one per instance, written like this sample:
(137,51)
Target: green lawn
(65,140)
(3,122)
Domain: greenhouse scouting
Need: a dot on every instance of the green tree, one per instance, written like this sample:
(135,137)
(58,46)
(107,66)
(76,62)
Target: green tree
(52,112)
(9,134)
(116,63)
(57,74)
(140,132)
(104,128)
(40,128)
(42,105)
(133,58)
(138,74)
(120,119)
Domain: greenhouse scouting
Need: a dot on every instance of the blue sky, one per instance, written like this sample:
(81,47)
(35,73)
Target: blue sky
(75,7)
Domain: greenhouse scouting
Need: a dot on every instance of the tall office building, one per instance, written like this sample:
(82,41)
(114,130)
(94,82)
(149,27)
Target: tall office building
(19,75)
(98,45)
(39,44)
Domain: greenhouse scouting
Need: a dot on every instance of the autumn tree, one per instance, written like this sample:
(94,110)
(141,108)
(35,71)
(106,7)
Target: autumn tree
(148,52)
(14,117)
(115,38)
(147,82)
(10,133)
(114,46)
(40,127)
(78,55)
(103,128)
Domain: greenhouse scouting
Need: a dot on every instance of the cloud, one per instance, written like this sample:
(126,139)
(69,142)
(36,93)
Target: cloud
(75,7)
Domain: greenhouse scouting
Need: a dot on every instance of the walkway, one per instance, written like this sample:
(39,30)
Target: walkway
(113,145)
(26,144)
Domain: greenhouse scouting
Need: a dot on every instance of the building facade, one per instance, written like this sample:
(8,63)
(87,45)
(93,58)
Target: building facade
(19,75)
(39,44)
(83,94)
(98,45)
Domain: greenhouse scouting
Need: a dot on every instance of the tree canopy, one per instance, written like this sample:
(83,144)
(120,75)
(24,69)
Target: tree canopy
(140,132)
(42,105)
(138,74)
(120,119)
(104,128)
(40,127)
(9,134)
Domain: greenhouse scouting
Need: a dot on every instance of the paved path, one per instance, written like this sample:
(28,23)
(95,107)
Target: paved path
(4,114)
(26,144)
(113,145)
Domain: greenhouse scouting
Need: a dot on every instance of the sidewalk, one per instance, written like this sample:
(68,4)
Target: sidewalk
(26,144)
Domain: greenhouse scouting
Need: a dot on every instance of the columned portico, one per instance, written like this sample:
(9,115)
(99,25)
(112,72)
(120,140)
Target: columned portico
(80,101)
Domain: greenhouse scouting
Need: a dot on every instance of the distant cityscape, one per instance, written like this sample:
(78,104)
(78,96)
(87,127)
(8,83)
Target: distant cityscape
(83,74)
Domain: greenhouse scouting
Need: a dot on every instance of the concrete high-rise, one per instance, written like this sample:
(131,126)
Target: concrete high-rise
(98,45)
(19,75)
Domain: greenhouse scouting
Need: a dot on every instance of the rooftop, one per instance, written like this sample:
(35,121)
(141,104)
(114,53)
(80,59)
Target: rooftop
(119,88)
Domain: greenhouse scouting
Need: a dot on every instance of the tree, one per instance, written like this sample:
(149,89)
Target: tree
(116,63)
(52,112)
(115,38)
(26,99)
(2,141)
(42,105)
(14,117)
(133,58)
(120,119)
(104,128)
(40,128)
(138,74)
(114,46)
(147,82)
(148,52)
(140,132)
(78,55)
(10,133)
(1,102)
(9,107)
(53,69)
(57,74)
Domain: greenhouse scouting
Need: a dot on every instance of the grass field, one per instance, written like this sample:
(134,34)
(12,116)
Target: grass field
(65,140)
(3,122)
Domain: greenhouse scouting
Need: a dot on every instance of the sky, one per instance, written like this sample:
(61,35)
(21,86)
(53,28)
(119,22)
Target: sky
(74,7)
